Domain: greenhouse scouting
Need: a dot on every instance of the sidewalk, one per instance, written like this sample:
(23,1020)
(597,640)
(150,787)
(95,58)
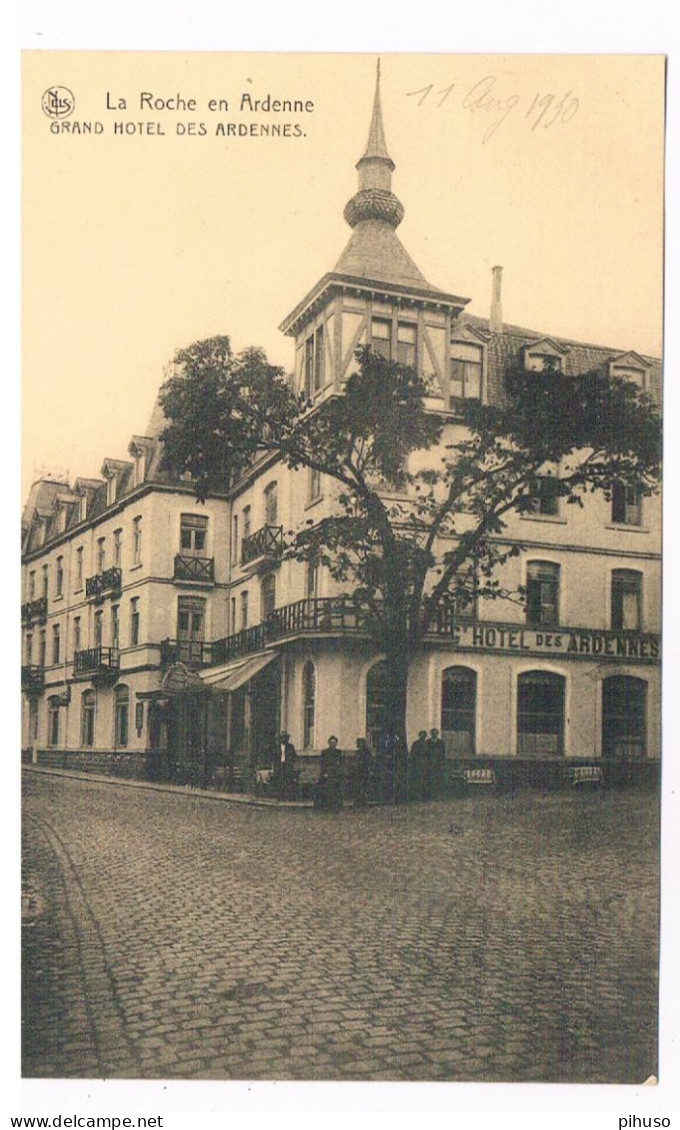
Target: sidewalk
(162,787)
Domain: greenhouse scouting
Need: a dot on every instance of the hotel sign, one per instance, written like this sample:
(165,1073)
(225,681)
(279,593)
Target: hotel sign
(576,643)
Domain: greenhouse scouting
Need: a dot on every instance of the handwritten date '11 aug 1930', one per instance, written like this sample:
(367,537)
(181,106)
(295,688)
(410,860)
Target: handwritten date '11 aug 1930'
(484,99)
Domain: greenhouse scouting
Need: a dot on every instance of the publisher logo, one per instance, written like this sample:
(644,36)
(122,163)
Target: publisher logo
(58,102)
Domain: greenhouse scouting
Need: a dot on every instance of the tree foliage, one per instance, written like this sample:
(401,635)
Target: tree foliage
(421,500)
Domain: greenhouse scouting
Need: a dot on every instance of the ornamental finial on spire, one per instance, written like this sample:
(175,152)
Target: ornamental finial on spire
(375,199)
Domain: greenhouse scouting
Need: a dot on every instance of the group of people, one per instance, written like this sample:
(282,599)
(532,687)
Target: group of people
(391,774)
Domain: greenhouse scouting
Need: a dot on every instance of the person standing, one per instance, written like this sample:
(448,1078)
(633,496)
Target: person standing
(418,767)
(436,760)
(329,785)
(361,776)
(285,776)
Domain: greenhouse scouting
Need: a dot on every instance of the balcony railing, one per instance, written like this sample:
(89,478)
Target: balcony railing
(97,661)
(189,568)
(193,653)
(110,581)
(32,678)
(264,543)
(34,610)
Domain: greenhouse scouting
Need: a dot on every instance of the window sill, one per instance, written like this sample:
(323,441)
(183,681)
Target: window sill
(138,565)
(551,519)
(59,596)
(313,502)
(626,527)
(77,591)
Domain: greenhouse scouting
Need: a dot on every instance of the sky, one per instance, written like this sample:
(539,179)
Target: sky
(136,244)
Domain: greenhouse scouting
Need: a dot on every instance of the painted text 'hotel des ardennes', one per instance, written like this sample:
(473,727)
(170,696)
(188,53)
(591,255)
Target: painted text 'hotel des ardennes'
(164,637)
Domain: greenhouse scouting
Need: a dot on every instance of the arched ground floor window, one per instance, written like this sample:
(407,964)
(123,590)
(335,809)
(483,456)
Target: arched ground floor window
(624,716)
(376,703)
(459,707)
(540,714)
(87,708)
(121,698)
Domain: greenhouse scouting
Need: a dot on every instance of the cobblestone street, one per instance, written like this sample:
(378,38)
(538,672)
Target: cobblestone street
(488,938)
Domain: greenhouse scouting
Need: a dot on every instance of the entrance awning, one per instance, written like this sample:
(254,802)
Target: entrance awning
(231,676)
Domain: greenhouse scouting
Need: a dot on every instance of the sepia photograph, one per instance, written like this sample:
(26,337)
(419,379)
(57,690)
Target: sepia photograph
(341,566)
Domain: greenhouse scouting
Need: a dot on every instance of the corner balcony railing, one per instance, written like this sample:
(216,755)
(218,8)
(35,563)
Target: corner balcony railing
(97,661)
(262,547)
(99,586)
(193,653)
(32,678)
(195,569)
(34,610)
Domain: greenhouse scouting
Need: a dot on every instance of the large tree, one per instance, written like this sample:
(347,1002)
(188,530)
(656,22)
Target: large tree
(422,500)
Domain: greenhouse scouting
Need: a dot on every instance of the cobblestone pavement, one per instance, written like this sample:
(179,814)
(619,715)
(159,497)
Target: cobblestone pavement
(487,938)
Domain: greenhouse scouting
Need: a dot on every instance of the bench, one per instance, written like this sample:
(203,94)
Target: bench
(585,775)
(479,777)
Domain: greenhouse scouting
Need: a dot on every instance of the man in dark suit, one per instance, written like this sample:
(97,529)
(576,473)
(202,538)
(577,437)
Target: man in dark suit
(436,758)
(329,785)
(285,774)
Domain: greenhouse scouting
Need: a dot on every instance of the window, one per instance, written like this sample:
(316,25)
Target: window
(312,585)
(134,621)
(136,541)
(190,628)
(117,547)
(247,525)
(233,614)
(381,337)
(308,703)
(115,625)
(98,628)
(465,373)
(376,703)
(459,706)
(624,716)
(314,484)
(45,580)
(140,466)
(193,534)
(234,539)
(31,585)
(626,600)
(542,598)
(33,719)
(79,568)
(268,595)
(244,609)
(82,507)
(540,714)
(53,720)
(546,500)
(626,505)
(101,554)
(111,484)
(314,363)
(121,701)
(542,361)
(59,577)
(406,344)
(87,707)
(271,504)
(29,649)
(56,643)
(42,648)
(76,633)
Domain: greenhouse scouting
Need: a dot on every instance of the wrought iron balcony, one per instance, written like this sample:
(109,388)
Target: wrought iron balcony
(32,678)
(245,642)
(188,568)
(34,610)
(97,661)
(262,547)
(99,586)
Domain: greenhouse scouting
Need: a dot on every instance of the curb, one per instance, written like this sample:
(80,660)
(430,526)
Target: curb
(159,787)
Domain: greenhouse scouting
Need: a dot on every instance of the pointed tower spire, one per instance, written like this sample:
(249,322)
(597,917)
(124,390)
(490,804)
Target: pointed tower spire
(375,199)
(376,146)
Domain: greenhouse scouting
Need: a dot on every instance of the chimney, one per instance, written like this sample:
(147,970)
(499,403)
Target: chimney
(496,315)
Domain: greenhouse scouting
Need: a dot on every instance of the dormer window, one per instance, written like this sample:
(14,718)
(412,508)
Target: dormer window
(630,367)
(465,373)
(82,508)
(111,484)
(140,468)
(544,356)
